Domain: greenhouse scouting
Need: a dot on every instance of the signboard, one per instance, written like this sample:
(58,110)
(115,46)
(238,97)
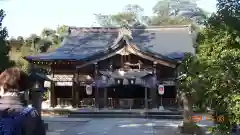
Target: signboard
(160,89)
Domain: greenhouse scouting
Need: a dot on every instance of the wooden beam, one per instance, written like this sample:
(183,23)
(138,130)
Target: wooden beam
(100,59)
(135,51)
(130,49)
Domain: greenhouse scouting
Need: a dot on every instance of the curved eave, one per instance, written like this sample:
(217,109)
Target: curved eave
(106,51)
(154,57)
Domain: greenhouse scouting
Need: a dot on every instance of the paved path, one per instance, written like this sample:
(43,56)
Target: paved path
(112,126)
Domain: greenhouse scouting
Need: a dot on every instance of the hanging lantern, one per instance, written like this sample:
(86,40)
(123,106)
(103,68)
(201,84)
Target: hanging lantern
(125,82)
(111,81)
(132,81)
(104,79)
(119,81)
(150,81)
(88,89)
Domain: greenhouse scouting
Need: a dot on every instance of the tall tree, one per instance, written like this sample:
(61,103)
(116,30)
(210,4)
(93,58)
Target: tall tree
(219,54)
(46,32)
(61,31)
(130,16)
(4,47)
(184,9)
(190,87)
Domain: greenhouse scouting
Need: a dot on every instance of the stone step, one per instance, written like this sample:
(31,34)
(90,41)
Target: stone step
(124,116)
(128,113)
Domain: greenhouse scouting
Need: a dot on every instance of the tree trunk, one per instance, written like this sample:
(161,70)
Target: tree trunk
(187,109)
(189,126)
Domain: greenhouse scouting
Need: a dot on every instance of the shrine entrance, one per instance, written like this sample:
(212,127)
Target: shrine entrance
(126,91)
(127,96)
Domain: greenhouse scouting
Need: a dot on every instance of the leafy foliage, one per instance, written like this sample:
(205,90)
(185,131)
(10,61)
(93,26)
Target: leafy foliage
(218,54)
(4,47)
(48,40)
(168,12)
(130,16)
(185,9)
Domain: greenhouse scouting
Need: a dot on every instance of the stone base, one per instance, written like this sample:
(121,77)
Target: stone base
(192,129)
(161,108)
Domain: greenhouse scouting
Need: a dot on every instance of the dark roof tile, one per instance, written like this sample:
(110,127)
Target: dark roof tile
(81,44)
(163,42)
(172,42)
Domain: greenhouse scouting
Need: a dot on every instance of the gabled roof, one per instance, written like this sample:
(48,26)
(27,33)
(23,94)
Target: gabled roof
(166,43)
(81,43)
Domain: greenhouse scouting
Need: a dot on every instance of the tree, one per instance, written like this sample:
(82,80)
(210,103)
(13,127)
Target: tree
(190,85)
(61,32)
(185,9)
(218,54)
(4,47)
(52,38)
(34,40)
(158,20)
(130,16)
(46,32)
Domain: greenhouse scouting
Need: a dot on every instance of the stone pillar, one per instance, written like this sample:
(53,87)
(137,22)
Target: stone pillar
(36,97)
(37,101)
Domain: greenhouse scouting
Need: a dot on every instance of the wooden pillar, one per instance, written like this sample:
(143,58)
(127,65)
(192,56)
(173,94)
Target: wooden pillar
(105,98)
(153,91)
(77,90)
(73,92)
(52,95)
(53,101)
(178,95)
(146,98)
(96,88)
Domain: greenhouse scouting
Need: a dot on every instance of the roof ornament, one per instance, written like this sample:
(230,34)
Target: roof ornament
(125,32)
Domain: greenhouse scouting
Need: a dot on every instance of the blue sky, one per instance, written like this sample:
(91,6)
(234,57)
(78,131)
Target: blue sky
(25,17)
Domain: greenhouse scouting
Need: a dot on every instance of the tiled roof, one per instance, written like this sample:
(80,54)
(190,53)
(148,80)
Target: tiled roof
(82,43)
(171,42)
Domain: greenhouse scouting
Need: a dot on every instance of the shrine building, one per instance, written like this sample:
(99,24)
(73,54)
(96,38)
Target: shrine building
(116,67)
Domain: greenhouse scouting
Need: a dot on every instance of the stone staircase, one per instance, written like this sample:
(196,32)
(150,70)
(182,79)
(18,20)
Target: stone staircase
(127,114)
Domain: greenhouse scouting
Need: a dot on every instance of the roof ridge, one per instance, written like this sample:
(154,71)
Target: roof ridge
(78,30)
(97,27)
(169,26)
